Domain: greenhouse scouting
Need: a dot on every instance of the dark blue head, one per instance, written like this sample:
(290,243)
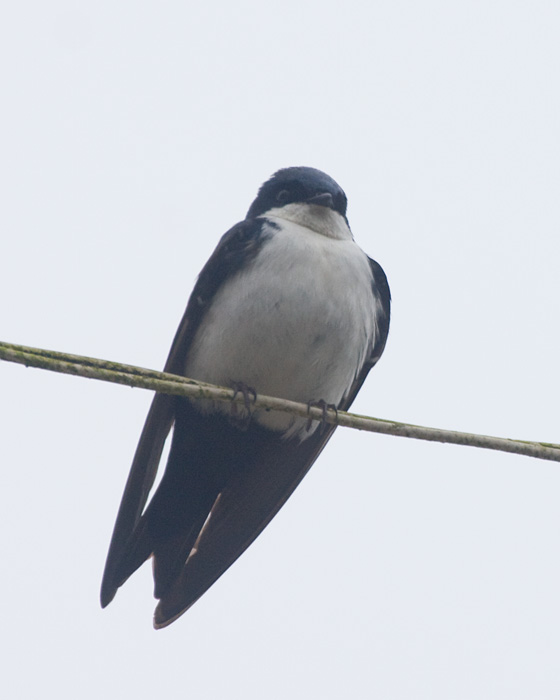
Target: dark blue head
(295,186)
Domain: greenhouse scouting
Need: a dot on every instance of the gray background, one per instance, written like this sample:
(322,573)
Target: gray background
(133,135)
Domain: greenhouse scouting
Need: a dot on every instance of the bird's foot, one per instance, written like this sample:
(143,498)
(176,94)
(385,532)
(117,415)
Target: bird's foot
(249,397)
(325,407)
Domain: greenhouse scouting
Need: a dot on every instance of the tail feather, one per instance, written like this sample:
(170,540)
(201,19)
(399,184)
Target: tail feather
(169,546)
(171,553)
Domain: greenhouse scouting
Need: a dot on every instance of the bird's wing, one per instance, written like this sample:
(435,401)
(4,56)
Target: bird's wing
(254,496)
(235,248)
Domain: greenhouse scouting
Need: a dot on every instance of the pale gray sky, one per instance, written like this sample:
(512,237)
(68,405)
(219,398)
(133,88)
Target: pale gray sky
(133,135)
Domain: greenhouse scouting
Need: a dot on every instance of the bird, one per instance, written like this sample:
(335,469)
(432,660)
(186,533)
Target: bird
(288,305)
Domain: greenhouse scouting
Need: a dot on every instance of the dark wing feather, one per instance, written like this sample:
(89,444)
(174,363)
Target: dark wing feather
(235,247)
(255,495)
(382,293)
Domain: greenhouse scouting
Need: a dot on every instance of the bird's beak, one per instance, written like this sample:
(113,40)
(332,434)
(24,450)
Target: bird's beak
(323,200)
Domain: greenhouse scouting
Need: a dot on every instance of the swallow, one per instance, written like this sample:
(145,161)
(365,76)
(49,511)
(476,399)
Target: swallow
(289,306)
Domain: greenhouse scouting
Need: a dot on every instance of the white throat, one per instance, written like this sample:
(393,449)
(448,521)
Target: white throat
(319,219)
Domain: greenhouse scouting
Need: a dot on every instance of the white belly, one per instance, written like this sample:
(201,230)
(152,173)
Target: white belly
(297,324)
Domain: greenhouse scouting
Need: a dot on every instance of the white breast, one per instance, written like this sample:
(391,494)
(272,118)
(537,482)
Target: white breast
(298,323)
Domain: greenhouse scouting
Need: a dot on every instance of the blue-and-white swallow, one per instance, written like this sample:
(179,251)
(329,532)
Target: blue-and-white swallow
(289,306)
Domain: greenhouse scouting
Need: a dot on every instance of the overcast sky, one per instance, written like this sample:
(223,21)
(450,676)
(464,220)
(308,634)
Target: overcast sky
(134,134)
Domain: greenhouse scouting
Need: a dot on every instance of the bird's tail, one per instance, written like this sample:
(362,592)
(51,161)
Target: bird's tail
(169,546)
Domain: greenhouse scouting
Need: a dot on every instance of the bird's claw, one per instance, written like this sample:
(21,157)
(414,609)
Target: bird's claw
(325,407)
(249,398)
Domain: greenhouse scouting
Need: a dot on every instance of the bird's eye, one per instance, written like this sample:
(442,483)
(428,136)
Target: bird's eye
(283,196)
